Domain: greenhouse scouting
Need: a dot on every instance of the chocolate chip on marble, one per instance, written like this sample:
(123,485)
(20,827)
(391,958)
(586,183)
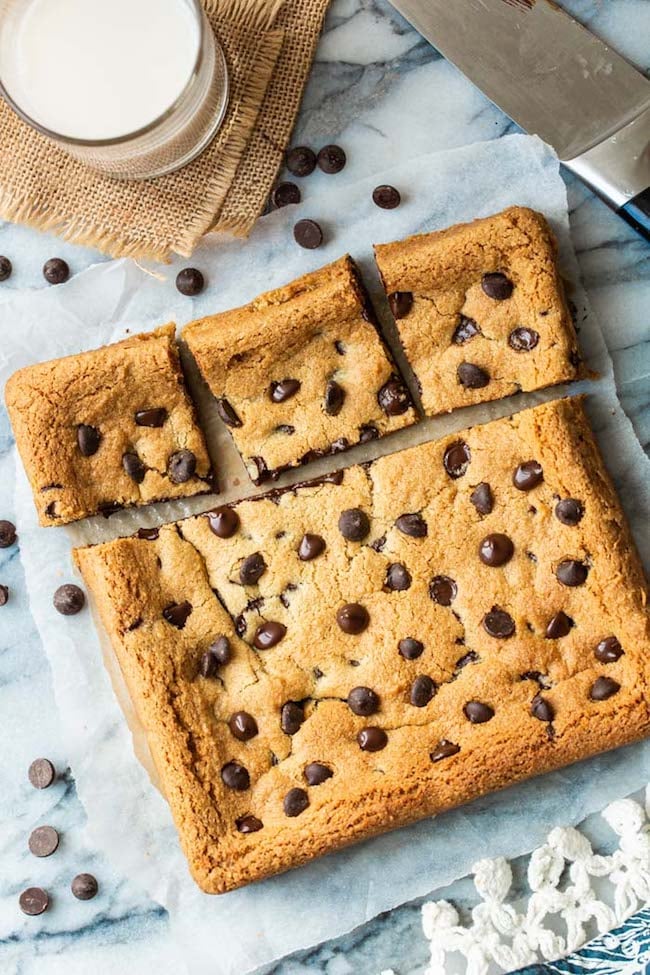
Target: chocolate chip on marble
(482,498)
(223,521)
(69,599)
(190,282)
(354,524)
(571,572)
(410,648)
(4,595)
(6,268)
(386,197)
(176,614)
(134,467)
(331,159)
(372,739)
(295,802)
(317,773)
(465,331)
(352,618)
(148,534)
(249,824)
(558,626)
(542,709)
(608,650)
(472,376)
(444,749)
(413,525)
(301,160)
(334,398)
(43,841)
(398,577)
(41,773)
(56,270)
(528,475)
(280,392)
(422,691)
(603,688)
(34,901)
(367,433)
(252,569)
(443,590)
(88,439)
(284,194)
(477,712)
(235,776)
(268,634)
(181,466)
(523,339)
(7,533)
(496,550)
(292,717)
(400,303)
(497,286)
(228,413)
(154,417)
(308,234)
(569,511)
(394,398)
(498,624)
(311,546)
(456,459)
(363,701)
(243,726)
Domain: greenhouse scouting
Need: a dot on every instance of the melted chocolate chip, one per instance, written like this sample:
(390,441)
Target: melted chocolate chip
(372,739)
(352,618)
(400,303)
(295,802)
(443,590)
(569,511)
(386,197)
(528,475)
(235,776)
(69,599)
(363,701)
(477,712)
(252,569)
(422,691)
(603,688)
(497,286)
(334,398)
(410,648)
(134,467)
(354,524)
(221,650)
(412,525)
(301,160)
(471,657)
(398,578)
(176,613)
(331,159)
(465,331)
(243,726)
(88,439)
(498,624)
(456,459)
(268,634)
(181,466)
(292,717)
(572,573)
(482,498)
(542,709)
(249,824)
(444,749)
(496,550)
(367,433)
(316,773)
(190,282)
(558,626)
(280,392)
(608,650)
(523,339)
(151,418)
(223,521)
(228,413)
(311,546)
(284,194)
(148,534)
(472,376)
(394,398)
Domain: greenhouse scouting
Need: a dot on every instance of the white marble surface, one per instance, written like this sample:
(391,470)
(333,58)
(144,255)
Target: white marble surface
(385,95)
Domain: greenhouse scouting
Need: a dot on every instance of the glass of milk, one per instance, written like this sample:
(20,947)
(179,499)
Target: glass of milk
(135,88)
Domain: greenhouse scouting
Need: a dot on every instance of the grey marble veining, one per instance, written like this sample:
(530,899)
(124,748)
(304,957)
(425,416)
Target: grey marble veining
(385,95)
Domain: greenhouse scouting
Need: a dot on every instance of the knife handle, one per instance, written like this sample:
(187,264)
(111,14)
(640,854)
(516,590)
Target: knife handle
(637,213)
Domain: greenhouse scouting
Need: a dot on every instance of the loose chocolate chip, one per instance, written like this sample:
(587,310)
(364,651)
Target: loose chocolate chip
(602,688)
(268,634)
(235,776)
(496,550)
(292,717)
(422,691)
(444,749)
(5,268)
(43,841)
(608,650)
(498,624)
(228,413)
(331,159)
(472,376)
(443,590)
(56,270)
(527,475)
(363,701)
(284,194)
(252,569)
(88,439)
(410,648)
(151,418)
(34,901)
(496,285)
(41,773)
(243,726)
(400,303)
(69,599)
(223,521)
(354,524)
(398,577)
(394,398)
(372,739)
(352,618)
(280,392)
(84,886)
(541,709)
(482,498)
(295,802)
(456,459)
(249,824)
(465,331)
(386,197)
(571,573)
(301,160)
(176,613)
(4,595)
(523,339)
(412,525)
(367,433)
(134,467)
(149,534)
(569,511)
(308,234)
(334,398)
(310,547)
(7,534)
(190,282)
(558,626)
(477,712)
(181,466)
(316,773)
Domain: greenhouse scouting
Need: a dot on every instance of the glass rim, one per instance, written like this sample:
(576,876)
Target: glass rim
(136,133)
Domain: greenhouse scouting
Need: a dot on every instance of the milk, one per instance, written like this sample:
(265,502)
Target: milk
(97,69)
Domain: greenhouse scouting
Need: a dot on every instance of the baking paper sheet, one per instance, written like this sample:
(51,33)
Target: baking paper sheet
(127,816)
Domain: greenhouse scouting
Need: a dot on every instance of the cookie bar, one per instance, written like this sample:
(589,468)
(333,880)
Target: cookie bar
(480,309)
(331,661)
(108,428)
(301,371)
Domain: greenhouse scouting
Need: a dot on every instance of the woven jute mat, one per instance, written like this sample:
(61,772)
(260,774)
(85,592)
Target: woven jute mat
(269,46)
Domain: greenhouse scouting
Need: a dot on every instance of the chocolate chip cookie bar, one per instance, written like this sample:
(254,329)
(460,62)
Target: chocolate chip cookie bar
(301,371)
(480,309)
(330,661)
(108,428)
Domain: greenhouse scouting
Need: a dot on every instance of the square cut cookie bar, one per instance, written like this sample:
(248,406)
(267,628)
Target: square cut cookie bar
(108,428)
(331,661)
(301,371)
(480,309)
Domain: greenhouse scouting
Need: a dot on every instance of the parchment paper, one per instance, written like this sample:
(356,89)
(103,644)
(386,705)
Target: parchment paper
(127,816)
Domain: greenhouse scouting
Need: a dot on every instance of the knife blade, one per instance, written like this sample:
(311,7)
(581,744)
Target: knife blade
(557,80)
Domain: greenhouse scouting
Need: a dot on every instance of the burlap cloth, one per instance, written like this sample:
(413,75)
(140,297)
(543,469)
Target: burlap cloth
(269,45)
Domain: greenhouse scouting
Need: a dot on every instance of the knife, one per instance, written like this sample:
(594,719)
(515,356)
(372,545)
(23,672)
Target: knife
(556,80)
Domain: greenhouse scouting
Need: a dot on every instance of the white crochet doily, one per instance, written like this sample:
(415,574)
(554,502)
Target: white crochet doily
(572,892)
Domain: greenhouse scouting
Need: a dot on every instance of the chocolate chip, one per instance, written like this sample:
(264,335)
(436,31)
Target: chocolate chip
(363,701)
(443,590)
(602,688)
(5,268)
(498,624)
(280,392)
(285,193)
(412,525)
(482,498)
(386,197)
(228,413)
(523,339)
(243,726)
(456,459)
(176,613)
(496,285)
(331,159)
(301,160)
(527,475)
(223,521)
(190,281)
(465,331)
(56,270)
(217,655)
(569,511)
(571,573)
(496,550)
(108,508)
(34,901)
(608,650)
(410,648)
(354,524)
(41,773)
(268,634)
(84,886)
(422,691)
(372,739)
(471,657)
(134,467)
(149,534)
(151,418)
(558,626)
(394,398)
(398,578)
(340,347)
(88,439)
(316,773)
(252,569)
(352,618)
(43,841)
(367,433)
(444,749)
(69,599)
(249,824)
(235,776)
(7,534)
(334,398)
(292,717)
(295,802)
(541,709)
(181,466)
(400,303)
(310,547)
(308,234)
(4,595)
(472,376)
(477,712)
